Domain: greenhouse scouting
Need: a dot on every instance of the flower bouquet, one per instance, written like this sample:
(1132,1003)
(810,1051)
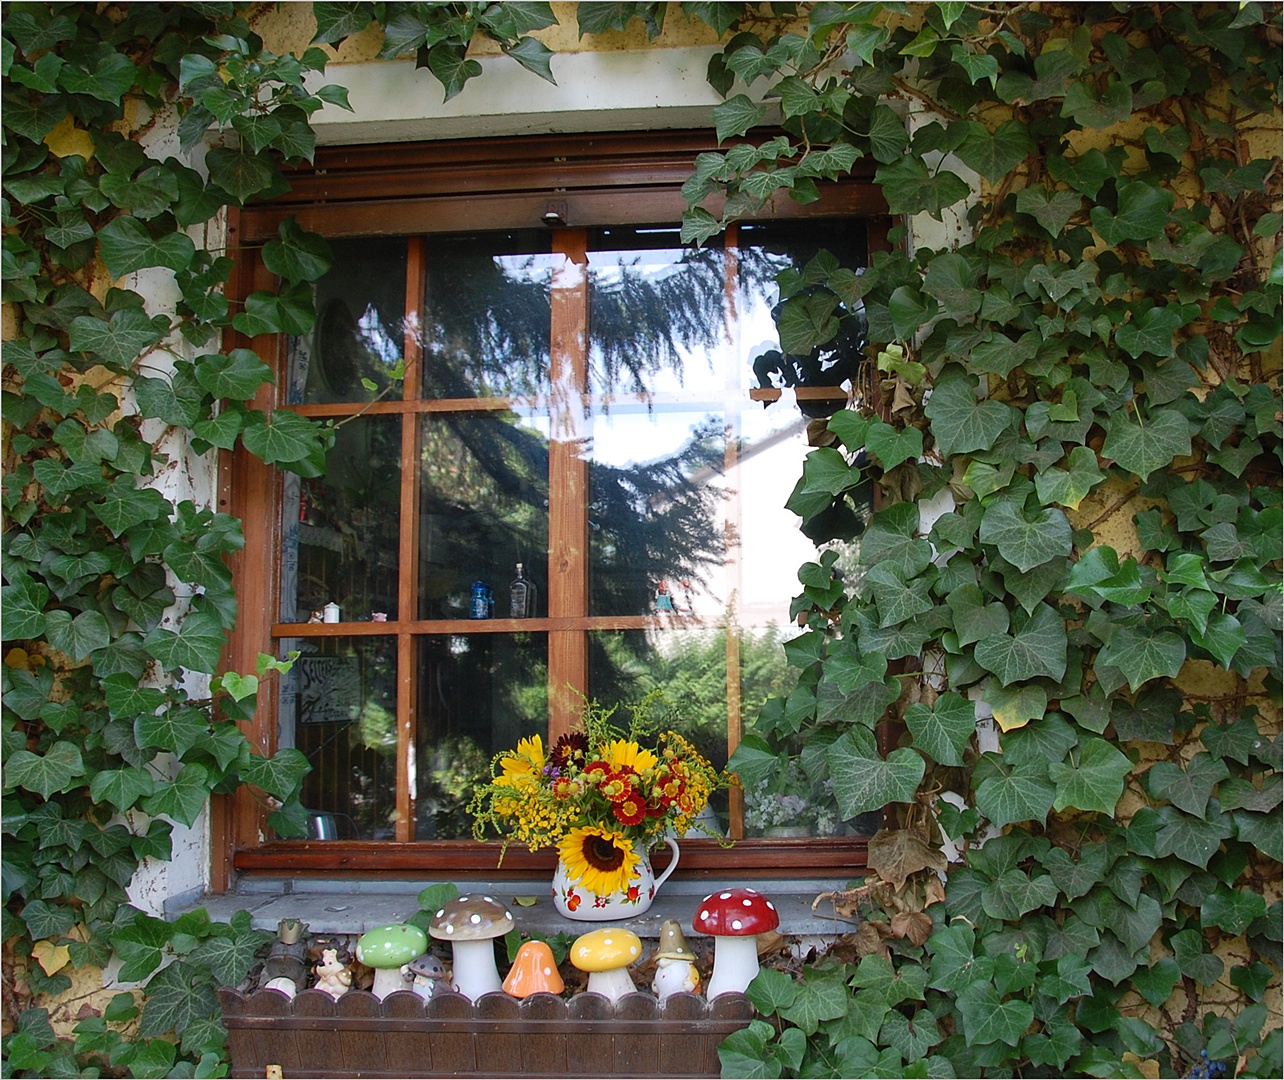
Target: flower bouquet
(600,796)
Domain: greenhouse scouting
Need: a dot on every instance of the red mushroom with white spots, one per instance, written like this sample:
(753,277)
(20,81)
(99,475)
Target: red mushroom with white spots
(735,918)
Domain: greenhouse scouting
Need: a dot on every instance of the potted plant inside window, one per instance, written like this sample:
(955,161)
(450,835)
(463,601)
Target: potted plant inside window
(789,804)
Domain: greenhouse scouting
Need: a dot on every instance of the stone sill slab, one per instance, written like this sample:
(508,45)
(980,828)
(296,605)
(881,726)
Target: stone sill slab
(337,906)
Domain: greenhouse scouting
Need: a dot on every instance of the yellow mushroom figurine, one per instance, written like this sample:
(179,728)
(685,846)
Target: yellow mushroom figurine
(606,955)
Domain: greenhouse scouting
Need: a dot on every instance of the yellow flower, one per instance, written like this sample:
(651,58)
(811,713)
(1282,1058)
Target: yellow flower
(626,752)
(602,860)
(524,765)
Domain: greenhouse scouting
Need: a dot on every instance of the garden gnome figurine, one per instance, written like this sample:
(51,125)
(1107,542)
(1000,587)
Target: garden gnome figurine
(675,970)
(333,976)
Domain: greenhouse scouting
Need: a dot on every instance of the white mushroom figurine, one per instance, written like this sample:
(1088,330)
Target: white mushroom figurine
(388,949)
(735,918)
(471,924)
(606,955)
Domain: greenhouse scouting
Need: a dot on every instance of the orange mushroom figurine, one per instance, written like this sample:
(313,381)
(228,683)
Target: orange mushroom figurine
(534,971)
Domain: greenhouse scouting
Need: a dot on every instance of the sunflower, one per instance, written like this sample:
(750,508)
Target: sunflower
(622,752)
(600,859)
(524,765)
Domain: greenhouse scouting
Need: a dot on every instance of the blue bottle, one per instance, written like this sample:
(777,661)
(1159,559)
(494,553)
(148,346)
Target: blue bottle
(479,606)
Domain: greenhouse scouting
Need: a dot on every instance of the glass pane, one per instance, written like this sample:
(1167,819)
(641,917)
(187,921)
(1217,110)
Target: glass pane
(656,512)
(483,508)
(764,251)
(478,694)
(340,541)
(360,328)
(338,705)
(486,315)
(656,315)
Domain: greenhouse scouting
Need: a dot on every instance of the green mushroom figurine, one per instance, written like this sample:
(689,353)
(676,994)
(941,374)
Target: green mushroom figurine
(388,949)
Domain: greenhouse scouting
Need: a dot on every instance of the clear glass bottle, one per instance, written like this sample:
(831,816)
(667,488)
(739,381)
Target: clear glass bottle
(521,596)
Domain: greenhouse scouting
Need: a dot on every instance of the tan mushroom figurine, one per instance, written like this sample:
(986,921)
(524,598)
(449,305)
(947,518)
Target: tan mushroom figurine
(735,918)
(606,955)
(388,949)
(534,971)
(675,970)
(471,924)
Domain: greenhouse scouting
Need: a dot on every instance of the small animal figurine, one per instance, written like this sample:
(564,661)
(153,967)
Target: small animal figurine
(675,970)
(429,974)
(333,976)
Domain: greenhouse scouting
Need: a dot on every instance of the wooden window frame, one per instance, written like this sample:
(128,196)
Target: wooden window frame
(467,185)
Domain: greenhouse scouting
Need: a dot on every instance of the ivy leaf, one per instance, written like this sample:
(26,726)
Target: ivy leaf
(24,608)
(1192,958)
(952,280)
(995,154)
(126,246)
(176,996)
(1188,789)
(887,984)
(987,1018)
(1156,982)
(182,798)
(1014,892)
(897,853)
(1151,332)
(296,255)
(109,81)
(121,787)
(78,636)
(287,439)
(118,342)
(1026,542)
(807,322)
(864,781)
(1142,654)
(912,1037)
(817,999)
(1192,839)
(1071,485)
(1036,649)
(737,115)
(279,775)
(973,618)
(1096,783)
(1022,794)
(1231,909)
(1013,708)
(1090,110)
(943,729)
(744,1053)
(197,645)
(770,991)
(1223,636)
(897,599)
(1143,213)
(961,424)
(45,774)
(534,56)
(124,505)
(1051,209)
(229,958)
(1143,448)
(174,730)
(336,21)
(911,188)
(241,174)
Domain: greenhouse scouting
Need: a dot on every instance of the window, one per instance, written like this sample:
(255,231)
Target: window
(581,396)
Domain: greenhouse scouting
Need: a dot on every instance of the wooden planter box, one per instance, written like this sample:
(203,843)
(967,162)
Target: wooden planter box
(544,1036)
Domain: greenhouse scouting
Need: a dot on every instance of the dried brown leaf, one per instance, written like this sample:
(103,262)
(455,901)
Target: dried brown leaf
(897,853)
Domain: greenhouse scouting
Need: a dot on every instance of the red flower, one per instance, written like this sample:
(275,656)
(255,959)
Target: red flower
(633,894)
(630,810)
(570,749)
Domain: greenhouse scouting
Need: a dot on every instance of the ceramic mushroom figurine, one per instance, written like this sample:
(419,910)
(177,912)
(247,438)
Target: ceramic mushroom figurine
(471,924)
(735,918)
(429,976)
(388,949)
(675,970)
(534,971)
(606,955)
(333,976)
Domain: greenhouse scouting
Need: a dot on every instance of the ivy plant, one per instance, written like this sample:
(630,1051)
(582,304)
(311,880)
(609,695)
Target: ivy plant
(128,131)
(1075,433)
